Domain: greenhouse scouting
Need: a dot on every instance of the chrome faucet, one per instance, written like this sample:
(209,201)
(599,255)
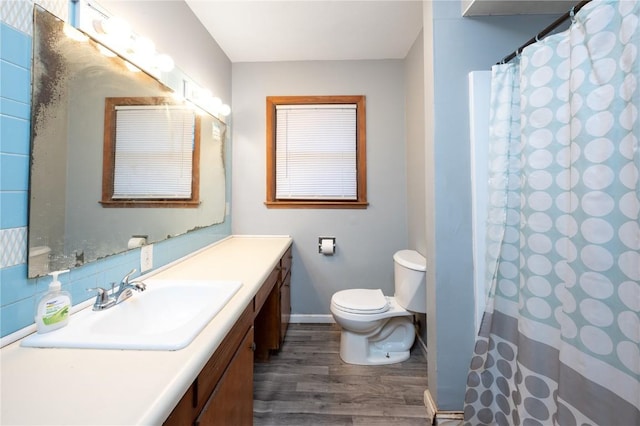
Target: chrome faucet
(125,287)
(104,300)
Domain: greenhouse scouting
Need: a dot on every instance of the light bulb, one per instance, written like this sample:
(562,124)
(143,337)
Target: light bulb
(215,103)
(164,63)
(144,47)
(116,27)
(224,110)
(118,33)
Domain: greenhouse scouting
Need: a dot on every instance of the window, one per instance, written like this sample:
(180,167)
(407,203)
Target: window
(151,154)
(316,152)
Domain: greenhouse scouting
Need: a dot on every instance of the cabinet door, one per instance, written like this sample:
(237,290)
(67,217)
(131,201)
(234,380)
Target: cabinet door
(231,402)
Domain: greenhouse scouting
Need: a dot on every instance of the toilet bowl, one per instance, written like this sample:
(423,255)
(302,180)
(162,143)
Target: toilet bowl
(378,329)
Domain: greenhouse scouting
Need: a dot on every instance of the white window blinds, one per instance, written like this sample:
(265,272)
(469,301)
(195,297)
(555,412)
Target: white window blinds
(316,152)
(154,152)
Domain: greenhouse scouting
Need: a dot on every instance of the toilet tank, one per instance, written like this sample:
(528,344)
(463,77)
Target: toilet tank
(409,268)
(39,260)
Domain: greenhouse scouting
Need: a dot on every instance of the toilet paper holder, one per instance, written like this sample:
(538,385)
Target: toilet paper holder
(327,245)
(137,241)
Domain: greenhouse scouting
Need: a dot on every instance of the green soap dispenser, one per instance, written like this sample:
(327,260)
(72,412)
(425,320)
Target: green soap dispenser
(54,306)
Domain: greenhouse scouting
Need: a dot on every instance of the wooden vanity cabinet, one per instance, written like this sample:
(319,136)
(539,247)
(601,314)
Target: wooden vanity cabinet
(222,394)
(272,319)
(285,293)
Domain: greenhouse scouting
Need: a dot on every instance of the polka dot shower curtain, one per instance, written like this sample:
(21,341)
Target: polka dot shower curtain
(559,341)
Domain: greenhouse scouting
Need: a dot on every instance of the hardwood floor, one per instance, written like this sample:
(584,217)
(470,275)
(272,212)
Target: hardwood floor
(307,383)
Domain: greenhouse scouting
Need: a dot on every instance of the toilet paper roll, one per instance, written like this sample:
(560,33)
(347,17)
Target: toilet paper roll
(327,247)
(136,242)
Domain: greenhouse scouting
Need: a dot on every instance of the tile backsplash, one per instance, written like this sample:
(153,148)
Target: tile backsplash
(13,246)
(19,13)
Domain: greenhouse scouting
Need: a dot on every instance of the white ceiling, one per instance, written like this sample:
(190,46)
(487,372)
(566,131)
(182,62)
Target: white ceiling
(306,30)
(297,30)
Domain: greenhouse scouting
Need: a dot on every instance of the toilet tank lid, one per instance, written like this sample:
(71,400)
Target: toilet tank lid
(411,259)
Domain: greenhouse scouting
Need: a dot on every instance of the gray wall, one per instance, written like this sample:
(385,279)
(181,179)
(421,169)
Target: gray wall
(366,239)
(415,158)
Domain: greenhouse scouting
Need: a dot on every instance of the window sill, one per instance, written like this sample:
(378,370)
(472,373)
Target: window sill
(150,203)
(289,204)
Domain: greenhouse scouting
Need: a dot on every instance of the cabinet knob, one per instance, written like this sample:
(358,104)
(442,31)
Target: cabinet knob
(253,346)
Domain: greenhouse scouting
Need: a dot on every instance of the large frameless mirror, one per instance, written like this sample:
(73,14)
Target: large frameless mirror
(72,75)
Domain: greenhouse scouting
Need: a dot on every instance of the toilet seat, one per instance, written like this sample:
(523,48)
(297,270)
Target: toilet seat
(361,301)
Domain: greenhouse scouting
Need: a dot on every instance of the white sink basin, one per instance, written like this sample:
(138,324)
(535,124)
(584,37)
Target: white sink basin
(168,315)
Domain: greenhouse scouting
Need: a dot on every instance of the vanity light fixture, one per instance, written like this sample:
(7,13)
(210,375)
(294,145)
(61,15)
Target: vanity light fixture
(140,54)
(118,35)
(204,99)
(116,30)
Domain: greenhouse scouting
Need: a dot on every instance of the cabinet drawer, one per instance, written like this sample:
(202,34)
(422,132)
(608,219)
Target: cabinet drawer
(285,262)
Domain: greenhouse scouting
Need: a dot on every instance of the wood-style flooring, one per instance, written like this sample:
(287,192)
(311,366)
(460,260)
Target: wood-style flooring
(307,383)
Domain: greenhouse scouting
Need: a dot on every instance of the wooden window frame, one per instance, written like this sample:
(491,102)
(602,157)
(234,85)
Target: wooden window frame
(109,150)
(361,153)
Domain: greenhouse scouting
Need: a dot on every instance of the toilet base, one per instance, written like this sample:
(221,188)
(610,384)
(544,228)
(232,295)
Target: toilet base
(390,344)
(376,358)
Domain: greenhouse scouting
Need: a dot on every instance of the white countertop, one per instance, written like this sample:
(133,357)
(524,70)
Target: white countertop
(128,387)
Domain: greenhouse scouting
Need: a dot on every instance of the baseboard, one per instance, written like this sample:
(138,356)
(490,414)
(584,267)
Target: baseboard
(440,417)
(430,406)
(311,319)
(422,344)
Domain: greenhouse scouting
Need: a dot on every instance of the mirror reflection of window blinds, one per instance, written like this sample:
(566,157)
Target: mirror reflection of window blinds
(316,152)
(154,152)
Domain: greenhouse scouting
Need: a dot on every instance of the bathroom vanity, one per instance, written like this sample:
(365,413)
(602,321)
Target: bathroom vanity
(210,379)
(223,391)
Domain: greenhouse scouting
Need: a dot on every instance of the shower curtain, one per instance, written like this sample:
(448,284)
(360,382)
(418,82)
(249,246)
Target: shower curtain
(559,340)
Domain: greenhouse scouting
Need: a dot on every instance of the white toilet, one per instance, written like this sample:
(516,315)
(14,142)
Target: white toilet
(377,329)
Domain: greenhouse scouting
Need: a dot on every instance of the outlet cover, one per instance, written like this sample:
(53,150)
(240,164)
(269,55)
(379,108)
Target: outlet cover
(146,258)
